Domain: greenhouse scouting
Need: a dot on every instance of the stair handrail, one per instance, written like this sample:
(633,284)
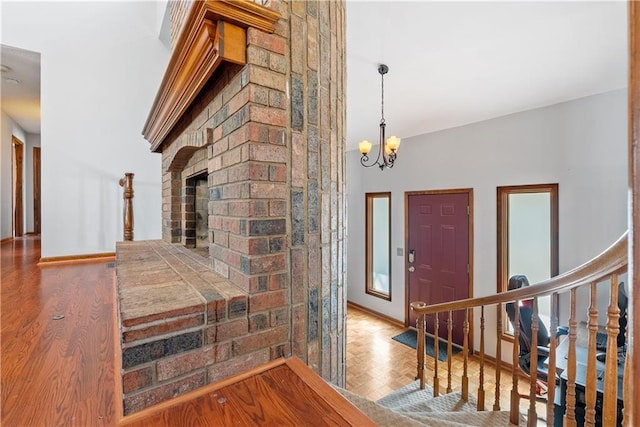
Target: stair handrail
(612,260)
(604,267)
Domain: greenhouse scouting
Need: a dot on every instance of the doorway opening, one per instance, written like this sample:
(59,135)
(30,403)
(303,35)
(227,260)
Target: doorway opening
(21,104)
(36,190)
(17,186)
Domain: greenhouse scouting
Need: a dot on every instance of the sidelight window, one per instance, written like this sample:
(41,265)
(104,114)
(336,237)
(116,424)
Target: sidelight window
(528,239)
(378,245)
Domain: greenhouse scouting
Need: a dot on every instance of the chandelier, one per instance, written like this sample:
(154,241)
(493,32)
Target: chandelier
(388,148)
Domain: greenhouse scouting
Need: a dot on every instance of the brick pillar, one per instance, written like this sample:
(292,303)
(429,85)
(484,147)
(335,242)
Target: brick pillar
(316,75)
(277,190)
(273,133)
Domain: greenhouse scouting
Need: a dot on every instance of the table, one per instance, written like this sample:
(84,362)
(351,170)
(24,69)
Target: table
(562,350)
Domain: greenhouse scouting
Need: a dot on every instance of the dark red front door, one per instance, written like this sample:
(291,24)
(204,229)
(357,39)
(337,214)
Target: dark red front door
(439,236)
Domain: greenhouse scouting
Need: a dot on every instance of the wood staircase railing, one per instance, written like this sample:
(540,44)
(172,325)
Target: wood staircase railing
(603,270)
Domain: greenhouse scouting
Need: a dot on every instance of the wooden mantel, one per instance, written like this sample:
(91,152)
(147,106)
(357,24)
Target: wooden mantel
(215,31)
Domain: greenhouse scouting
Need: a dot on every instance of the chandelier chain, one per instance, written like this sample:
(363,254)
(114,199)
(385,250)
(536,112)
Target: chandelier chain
(382,103)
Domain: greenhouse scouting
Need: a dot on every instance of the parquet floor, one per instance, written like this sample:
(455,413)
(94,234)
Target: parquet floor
(378,365)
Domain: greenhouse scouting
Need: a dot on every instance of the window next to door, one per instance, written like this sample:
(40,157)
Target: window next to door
(528,239)
(378,245)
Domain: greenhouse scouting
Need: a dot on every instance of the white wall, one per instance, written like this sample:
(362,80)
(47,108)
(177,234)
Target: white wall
(9,127)
(102,63)
(581,144)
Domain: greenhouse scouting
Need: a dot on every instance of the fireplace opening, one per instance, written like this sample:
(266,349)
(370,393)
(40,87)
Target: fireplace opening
(196,207)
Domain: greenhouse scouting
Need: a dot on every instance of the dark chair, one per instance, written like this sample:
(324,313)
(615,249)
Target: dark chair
(525,335)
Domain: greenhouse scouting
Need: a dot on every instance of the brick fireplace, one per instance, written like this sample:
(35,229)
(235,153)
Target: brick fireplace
(249,121)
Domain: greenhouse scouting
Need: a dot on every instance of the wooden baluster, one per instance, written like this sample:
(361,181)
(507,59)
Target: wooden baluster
(127,184)
(532,415)
(626,383)
(481,379)
(610,404)
(496,401)
(449,350)
(570,415)
(436,351)
(465,354)
(590,390)
(420,325)
(551,371)
(514,413)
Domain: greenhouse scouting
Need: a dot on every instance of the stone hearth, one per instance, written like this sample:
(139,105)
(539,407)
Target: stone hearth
(182,325)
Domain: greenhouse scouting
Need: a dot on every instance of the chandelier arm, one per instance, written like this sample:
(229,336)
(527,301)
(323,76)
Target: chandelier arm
(383,149)
(363,161)
(365,158)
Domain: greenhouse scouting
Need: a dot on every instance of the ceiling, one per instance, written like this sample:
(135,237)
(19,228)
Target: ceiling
(20,87)
(453,63)
(450,63)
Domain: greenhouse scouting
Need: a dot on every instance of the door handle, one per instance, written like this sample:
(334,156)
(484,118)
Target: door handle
(412,269)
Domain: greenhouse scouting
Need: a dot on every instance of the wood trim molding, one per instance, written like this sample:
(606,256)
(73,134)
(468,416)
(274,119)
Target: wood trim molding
(368,287)
(215,31)
(469,192)
(370,312)
(102,257)
(182,399)
(632,414)
(6,240)
(244,13)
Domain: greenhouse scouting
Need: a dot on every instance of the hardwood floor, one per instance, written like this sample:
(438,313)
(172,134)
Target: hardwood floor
(55,372)
(61,372)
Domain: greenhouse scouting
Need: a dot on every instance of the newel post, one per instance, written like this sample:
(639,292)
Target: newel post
(127,184)
(420,325)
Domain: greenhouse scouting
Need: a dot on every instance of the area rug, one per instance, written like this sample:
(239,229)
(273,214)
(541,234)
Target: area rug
(410,338)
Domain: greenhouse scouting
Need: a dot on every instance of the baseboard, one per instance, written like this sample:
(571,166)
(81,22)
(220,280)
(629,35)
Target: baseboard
(384,317)
(77,259)
(6,240)
(493,361)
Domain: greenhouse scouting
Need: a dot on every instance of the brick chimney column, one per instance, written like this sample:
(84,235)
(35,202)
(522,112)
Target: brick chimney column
(274,134)
(292,238)
(316,172)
